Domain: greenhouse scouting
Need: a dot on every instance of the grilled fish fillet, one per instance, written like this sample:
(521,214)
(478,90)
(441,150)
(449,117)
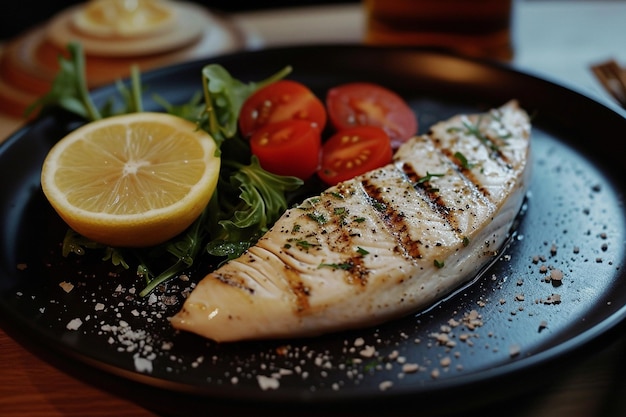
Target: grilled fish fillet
(379,246)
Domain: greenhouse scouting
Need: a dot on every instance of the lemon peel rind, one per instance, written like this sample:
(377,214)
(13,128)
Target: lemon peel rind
(138,229)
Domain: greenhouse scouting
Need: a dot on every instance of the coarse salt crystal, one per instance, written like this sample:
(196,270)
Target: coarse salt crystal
(385,385)
(556,275)
(143,364)
(410,368)
(266,382)
(74,324)
(368,352)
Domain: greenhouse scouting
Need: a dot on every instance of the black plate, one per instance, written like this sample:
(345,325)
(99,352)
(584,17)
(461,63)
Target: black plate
(574,221)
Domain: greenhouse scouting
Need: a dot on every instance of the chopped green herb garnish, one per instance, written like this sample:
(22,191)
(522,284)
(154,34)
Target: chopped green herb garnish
(497,116)
(343,266)
(428,177)
(362,251)
(475,131)
(463,160)
(305,244)
(439,264)
(319,218)
(341,212)
(379,206)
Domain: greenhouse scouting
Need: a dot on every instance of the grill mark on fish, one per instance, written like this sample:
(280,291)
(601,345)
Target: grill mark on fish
(228,279)
(496,115)
(471,177)
(337,232)
(452,212)
(432,195)
(484,133)
(485,137)
(298,289)
(393,219)
(356,273)
(343,234)
(497,154)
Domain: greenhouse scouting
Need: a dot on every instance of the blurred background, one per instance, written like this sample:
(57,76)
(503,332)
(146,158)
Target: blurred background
(20,15)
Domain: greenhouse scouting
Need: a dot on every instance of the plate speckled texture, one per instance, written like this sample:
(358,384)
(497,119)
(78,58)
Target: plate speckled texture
(511,323)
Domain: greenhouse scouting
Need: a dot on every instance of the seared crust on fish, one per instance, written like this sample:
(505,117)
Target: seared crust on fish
(380,246)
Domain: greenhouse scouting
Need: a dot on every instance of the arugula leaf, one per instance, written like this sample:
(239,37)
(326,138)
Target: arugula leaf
(247,215)
(190,110)
(184,249)
(224,96)
(69,88)
(132,96)
(78,245)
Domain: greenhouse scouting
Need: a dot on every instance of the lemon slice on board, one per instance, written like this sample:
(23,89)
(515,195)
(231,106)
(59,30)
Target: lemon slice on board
(133,180)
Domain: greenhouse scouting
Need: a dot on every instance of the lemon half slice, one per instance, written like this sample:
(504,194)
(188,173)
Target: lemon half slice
(132,180)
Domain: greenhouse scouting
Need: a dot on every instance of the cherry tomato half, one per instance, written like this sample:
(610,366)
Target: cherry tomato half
(367,104)
(289,147)
(282,100)
(354,151)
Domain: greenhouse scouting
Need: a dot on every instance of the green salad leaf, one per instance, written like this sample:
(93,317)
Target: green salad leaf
(69,88)
(224,96)
(70,92)
(250,200)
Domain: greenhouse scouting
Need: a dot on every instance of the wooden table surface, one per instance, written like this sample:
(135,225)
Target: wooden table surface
(31,386)
(36,384)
